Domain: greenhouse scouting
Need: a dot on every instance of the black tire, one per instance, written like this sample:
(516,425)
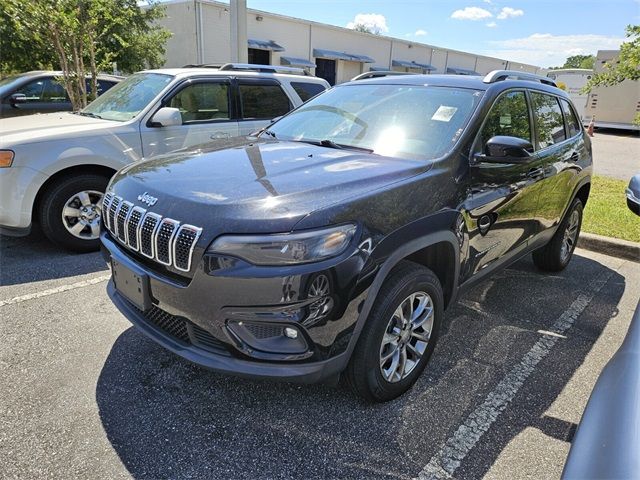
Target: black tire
(364,372)
(53,202)
(552,257)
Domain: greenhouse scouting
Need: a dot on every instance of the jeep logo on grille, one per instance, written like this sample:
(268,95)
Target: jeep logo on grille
(148,199)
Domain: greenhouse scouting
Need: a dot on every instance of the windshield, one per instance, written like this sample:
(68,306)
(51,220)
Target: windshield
(128,98)
(10,80)
(405,121)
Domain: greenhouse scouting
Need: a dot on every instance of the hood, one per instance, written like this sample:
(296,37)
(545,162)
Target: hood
(41,126)
(257,185)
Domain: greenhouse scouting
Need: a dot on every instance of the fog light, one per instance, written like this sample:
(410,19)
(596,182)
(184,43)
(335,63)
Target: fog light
(290,332)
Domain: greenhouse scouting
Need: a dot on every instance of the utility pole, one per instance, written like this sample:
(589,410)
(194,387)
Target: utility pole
(239,46)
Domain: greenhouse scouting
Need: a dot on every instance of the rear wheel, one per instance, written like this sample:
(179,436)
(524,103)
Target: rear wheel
(400,334)
(556,254)
(70,211)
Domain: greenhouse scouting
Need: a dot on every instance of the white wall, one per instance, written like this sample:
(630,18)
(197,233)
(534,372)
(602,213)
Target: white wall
(299,38)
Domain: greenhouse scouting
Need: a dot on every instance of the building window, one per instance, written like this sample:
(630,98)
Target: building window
(259,57)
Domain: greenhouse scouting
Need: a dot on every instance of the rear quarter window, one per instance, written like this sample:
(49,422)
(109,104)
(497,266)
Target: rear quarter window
(573,125)
(306,90)
(263,102)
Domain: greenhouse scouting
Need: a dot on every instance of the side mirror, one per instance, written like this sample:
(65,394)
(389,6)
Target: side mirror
(167,117)
(633,194)
(17,98)
(504,149)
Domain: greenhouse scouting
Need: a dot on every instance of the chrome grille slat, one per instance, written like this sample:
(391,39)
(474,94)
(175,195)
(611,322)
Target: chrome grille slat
(163,240)
(115,203)
(132,224)
(183,246)
(106,203)
(121,220)
(148,228)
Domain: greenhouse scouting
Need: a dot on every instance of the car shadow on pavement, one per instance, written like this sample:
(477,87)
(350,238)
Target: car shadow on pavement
(34,258)
(168,418)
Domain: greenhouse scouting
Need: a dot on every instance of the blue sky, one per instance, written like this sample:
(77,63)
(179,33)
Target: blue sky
(540,32)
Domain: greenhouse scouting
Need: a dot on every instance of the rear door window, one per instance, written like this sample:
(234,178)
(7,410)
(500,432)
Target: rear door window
(509,116)
(306,90)
(548,119)
(573,125)
(265,102)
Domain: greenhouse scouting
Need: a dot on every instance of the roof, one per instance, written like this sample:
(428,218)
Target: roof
(475,82)
(206,71)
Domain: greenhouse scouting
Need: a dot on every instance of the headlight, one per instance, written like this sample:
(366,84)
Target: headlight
(286,248)
(6,158)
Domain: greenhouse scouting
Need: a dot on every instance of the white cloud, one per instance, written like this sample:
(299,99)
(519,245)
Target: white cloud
(488,1)
(374,21)
(471,13)
(492,24)
(420,33)
(547,50)
(508,12)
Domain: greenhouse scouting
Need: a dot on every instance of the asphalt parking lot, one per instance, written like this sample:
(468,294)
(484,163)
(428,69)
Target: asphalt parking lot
(84,395)
(616,153)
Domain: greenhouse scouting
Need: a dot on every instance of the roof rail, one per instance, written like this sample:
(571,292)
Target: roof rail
(379,73)
(498,75)
(203,65)
(264,68)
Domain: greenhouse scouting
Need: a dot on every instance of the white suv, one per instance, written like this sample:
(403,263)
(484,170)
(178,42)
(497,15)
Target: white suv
(54,167)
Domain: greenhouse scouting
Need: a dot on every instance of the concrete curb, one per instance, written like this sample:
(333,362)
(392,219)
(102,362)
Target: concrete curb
(610,246)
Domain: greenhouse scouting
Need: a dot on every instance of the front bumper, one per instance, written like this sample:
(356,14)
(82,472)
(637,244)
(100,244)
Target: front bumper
(205,319)
(18,189)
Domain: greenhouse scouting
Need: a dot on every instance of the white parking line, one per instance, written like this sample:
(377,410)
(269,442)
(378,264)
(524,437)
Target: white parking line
(447,460)
(53,291)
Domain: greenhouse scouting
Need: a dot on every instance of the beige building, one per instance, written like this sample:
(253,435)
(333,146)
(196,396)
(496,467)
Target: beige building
(201,34)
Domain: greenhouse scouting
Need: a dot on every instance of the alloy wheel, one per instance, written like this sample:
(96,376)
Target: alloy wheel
(81,214)
(406,337)
(570,235)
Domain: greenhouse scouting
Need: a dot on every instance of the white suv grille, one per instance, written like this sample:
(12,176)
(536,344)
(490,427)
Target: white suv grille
(164,240)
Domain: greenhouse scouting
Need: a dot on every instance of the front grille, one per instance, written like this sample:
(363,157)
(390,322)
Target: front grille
(264,330)
(164,240)
(182,329)
(174,326)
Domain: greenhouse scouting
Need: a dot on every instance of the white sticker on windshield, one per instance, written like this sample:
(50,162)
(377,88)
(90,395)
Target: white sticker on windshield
(444,113)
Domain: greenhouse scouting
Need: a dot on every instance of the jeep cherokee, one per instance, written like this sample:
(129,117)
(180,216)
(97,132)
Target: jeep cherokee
(333,242)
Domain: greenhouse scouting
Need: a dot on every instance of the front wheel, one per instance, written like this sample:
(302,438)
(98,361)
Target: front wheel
(70,211)
(399,336)
(556,254)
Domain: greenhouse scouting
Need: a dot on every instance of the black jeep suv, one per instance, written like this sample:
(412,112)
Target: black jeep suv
(333,242)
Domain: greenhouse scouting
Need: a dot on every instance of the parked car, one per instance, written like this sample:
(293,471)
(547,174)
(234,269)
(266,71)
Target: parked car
(633,194)
(333,241)
(606,443)
(40,92)
(56,166)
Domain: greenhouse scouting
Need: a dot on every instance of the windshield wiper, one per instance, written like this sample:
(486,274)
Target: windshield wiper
(270,133)
(341,146)
(89,114)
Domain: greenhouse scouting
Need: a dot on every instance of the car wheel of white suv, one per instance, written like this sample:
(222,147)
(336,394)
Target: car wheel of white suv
(70,211)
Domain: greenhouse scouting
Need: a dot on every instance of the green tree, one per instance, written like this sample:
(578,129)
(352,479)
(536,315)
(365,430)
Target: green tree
(625,67)
(80,37)
(580,61)
(361,27)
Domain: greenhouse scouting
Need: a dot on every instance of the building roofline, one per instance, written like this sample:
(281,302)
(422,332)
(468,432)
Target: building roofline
(344,29)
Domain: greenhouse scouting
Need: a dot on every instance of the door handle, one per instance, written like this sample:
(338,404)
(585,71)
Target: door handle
(219,135)
(536,172)
(574,157)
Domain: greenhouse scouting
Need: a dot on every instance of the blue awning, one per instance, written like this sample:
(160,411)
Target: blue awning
(413,64)
(461,71)
(265,45)
(378,69)
(349,57)
(297,62)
